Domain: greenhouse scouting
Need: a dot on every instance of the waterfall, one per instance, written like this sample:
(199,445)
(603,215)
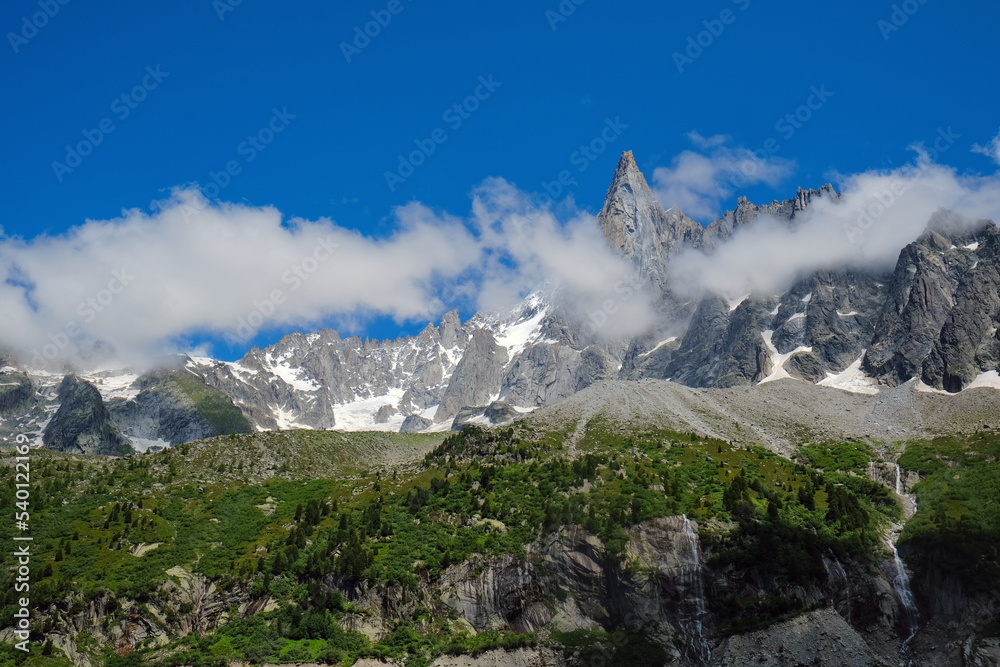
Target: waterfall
(899,483)
(901,582)
(702,648)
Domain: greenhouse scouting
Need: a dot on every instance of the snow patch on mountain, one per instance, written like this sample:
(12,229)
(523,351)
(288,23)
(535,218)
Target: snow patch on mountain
(291,376)
(735,303)
(851,379)
(778,359)
(990,379)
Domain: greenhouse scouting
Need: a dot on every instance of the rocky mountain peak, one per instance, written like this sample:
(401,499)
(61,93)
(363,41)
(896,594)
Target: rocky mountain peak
(636,225)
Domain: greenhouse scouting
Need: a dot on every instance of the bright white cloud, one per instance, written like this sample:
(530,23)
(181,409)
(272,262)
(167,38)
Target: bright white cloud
(146,282)
(142,280)
(879,212)
(697,182)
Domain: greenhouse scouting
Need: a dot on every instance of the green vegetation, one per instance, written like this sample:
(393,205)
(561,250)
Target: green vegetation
(850,456)
(213,406)
(957,528)
(278,513)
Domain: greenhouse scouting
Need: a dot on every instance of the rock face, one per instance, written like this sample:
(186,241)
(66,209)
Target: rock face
(664,589)
(497,412)
(940,319)
(479,371)
(637,227)
(415,424)
(82,423)
(177,407)
(16,393)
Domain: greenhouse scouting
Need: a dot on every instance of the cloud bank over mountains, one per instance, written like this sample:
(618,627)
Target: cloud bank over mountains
(153,282)
(148,283)
(877,214)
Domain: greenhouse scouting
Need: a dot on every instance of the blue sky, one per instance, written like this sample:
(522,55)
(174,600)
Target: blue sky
(200,77)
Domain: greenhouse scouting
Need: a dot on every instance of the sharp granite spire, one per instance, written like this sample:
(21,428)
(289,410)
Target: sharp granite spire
(636,225)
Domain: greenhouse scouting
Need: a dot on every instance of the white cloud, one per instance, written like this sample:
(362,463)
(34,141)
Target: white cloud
(572,256)
(142,280)
(697,182)
(879,212)
(148,282)
(990,150)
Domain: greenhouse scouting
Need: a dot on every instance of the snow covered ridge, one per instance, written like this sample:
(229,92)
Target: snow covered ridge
(319,380)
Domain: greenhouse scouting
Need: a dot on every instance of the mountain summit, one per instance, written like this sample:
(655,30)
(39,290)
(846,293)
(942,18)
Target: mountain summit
(636,225)
(934,319)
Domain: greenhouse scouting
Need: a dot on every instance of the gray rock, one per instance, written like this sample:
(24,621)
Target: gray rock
(415,424)
(937,282)
(82,423)
(478,375)
(17,393)
(500,412)
(384,413)
(805,366)
(177,407)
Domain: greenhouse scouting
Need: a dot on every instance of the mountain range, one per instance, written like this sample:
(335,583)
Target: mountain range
(932,319)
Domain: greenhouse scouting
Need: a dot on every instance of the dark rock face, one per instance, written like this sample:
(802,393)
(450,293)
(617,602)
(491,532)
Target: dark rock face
(722,348)
(497,412)
(16,393)
(939,320)
(415,424)
(178,407)
(805,366)
(969,343)
(82,423)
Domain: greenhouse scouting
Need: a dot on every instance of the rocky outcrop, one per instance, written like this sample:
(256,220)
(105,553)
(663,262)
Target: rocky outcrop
(497,412)
(722,347)
(16,393)
(746,213)
(82,423)
(969,343)
(937,282)
(638,228)
(664,589)
(415,424)
(477,377)
(177,407)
